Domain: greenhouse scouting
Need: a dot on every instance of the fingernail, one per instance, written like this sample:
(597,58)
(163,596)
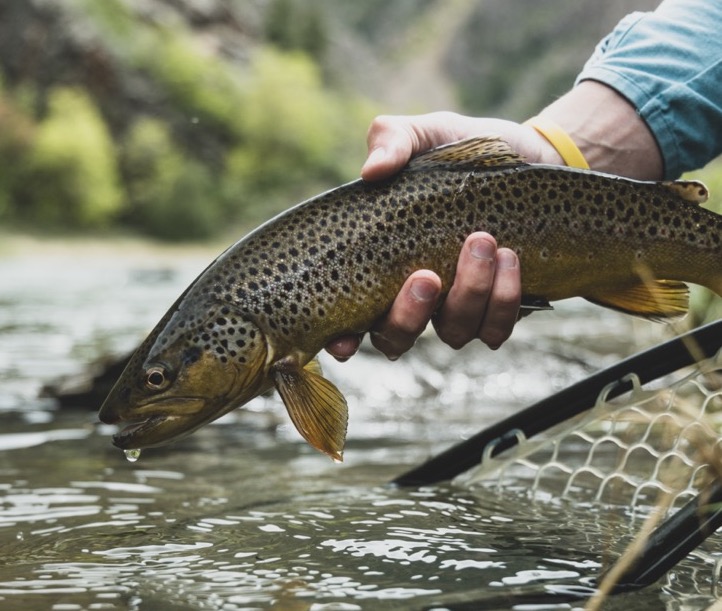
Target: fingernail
(482,249)
(506,259)
(423,291)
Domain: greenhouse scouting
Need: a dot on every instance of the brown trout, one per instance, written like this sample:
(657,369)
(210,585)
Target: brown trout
(259,314)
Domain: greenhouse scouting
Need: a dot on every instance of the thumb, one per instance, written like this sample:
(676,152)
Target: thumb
(390,146)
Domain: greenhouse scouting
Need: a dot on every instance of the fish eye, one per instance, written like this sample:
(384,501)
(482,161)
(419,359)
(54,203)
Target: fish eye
(156,379)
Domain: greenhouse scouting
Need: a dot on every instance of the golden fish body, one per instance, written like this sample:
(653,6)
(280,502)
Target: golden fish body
(258,315)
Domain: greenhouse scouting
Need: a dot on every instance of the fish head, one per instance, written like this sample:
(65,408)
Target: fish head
(191,370)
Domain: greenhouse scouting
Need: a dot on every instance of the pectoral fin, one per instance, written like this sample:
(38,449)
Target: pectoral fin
(316,407)
(655,300)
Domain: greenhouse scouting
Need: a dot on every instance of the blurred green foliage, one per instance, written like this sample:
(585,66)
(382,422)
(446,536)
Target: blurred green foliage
(279,131)
(297,26)
(16,136)
(169,195)
(66,174)
(295,134)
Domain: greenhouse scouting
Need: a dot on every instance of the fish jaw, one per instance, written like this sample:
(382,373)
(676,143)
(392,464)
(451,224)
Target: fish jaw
(171,388)
(158,424)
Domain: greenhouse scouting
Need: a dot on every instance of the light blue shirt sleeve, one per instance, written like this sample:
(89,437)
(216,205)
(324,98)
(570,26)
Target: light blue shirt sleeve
(668,64)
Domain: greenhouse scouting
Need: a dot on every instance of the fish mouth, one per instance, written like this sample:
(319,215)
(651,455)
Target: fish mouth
(133,434)
(162,425)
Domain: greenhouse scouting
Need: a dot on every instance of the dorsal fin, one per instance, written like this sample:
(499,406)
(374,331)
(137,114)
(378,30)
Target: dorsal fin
(690,190)
(470,154)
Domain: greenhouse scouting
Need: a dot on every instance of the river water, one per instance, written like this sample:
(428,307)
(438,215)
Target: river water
(244,515)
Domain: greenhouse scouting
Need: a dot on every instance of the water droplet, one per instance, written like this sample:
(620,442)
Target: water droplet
(131,455)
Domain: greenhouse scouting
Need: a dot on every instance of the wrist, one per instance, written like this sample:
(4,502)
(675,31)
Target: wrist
(608,131)
(562,143)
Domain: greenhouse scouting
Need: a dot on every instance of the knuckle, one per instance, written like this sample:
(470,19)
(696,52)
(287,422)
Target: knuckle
(382,123)
(476,292)
(505,299)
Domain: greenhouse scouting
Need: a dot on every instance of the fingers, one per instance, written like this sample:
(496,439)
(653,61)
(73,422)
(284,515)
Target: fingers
(502,309)
(483,303)
(393,140)
(406,320)
(409,314)
(390,146)
(344,347)
(484,300)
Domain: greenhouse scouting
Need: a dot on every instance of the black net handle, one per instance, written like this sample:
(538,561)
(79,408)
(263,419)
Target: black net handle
(687,349)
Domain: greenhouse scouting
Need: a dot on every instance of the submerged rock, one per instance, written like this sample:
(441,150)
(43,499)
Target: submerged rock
(88,389)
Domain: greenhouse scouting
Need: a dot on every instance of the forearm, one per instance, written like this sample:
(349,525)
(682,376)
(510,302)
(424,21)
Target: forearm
(607,129)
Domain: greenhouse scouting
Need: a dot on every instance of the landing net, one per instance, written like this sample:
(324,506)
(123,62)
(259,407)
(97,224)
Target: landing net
(634,450)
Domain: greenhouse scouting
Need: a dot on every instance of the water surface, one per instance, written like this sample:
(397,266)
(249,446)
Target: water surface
(244,515)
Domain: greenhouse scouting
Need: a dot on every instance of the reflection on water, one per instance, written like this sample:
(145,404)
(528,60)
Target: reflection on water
(243,515)
(143,537)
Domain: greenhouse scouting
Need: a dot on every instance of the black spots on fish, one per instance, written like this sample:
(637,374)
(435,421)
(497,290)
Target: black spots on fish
(468,197)
(191,355)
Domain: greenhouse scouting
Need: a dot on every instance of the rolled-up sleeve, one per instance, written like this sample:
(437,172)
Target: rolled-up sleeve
(668,64)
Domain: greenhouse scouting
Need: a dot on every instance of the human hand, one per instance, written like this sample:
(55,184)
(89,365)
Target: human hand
(393,140)
(483,303)
(484,299)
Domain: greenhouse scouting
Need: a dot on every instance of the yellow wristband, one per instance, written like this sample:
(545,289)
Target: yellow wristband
(560,140)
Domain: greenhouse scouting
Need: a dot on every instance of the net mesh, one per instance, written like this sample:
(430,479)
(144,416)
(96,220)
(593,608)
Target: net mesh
(653,442)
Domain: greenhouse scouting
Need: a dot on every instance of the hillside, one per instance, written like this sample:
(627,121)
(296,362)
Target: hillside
(178,118)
